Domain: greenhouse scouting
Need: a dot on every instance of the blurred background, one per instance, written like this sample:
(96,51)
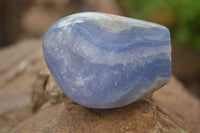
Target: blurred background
(24,19)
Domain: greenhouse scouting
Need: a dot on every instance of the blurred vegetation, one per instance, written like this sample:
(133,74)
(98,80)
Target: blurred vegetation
(181,16)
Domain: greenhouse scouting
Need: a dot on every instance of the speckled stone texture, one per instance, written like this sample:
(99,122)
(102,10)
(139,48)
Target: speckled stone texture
(107,61)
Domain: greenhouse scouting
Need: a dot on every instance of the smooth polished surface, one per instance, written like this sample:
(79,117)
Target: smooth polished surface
(107,61)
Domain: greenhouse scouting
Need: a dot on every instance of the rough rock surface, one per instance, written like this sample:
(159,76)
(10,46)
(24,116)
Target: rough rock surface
(139,117)
(179,104)
(19,65)
(171,109)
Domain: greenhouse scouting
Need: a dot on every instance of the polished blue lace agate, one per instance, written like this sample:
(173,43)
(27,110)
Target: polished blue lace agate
(107,61)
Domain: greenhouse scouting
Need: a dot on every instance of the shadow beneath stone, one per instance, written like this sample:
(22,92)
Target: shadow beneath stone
(137,105)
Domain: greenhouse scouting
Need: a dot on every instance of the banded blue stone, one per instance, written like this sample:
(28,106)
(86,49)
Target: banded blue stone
(106,61)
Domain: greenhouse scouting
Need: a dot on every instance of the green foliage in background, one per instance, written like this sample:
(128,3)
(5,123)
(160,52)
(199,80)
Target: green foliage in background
(181,16)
